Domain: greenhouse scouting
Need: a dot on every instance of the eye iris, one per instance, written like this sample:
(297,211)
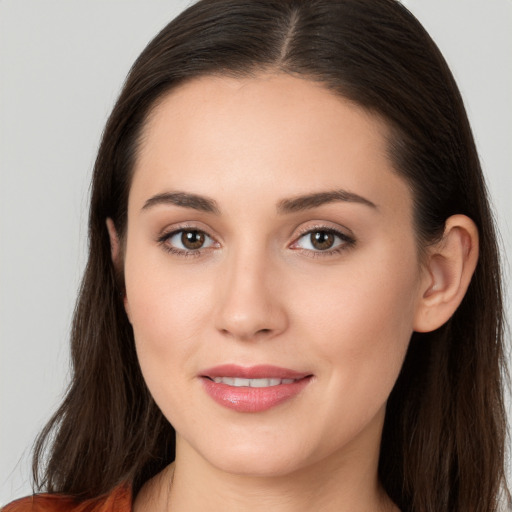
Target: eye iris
(192,239)
(322,240)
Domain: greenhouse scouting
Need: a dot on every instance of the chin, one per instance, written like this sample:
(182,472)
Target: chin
(255,459)
(261,465)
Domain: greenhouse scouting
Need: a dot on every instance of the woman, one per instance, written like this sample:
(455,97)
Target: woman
(290,251)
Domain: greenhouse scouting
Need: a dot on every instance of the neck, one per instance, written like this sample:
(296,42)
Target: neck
(303,491)
(344,482)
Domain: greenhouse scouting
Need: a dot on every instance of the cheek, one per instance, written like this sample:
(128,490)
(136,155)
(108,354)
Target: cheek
(167,313)
(362,322)
(162,311)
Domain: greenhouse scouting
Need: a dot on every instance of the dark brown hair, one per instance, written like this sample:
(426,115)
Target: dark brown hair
(444,434)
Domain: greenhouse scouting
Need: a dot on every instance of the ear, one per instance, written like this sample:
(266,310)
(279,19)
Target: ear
(116,255)
(448,270)
(114,242)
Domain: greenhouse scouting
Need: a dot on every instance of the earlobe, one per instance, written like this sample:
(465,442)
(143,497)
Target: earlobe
(448,271)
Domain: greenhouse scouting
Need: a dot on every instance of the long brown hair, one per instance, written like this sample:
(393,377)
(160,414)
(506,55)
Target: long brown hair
(444,433)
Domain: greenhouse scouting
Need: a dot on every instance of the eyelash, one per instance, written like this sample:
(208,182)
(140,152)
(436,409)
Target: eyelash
(346,242)
(191,253)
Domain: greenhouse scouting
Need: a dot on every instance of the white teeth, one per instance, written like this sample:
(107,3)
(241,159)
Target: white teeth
(253,383)
(260,383)
(228,380)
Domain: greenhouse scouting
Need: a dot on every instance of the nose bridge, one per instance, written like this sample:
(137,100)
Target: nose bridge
(249,305)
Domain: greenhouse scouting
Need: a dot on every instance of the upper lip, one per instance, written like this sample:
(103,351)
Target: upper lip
(263,371)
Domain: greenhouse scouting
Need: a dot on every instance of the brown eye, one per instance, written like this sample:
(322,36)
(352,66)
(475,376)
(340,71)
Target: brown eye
(187,242)
(326,241)
(322,240)
(192,239)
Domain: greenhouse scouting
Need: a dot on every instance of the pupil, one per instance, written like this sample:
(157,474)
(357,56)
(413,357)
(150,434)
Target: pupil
(322,240)
(192,239)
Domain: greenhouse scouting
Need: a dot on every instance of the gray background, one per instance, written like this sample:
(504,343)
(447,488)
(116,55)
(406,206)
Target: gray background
(62,63)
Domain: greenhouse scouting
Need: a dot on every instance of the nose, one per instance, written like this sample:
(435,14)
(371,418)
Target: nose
(250,305)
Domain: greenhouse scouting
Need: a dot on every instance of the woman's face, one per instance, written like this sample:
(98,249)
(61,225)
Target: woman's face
(269,241)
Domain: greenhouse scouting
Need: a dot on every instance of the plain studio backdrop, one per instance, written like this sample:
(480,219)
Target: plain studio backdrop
(62,64)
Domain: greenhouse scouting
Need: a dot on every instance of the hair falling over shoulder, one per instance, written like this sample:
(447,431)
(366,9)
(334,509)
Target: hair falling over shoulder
(443,446)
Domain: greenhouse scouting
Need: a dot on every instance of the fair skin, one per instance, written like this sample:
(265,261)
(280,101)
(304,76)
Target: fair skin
(331,287)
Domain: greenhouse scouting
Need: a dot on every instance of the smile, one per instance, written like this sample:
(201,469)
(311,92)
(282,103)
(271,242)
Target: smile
(253,389)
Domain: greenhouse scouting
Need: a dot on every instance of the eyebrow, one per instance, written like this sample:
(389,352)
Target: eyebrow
(310,201)
(295,204)
(185,200)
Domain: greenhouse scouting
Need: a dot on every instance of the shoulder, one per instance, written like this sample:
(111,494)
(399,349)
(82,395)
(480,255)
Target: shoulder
(119,500)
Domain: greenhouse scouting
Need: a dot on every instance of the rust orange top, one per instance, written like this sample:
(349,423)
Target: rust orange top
(119,500)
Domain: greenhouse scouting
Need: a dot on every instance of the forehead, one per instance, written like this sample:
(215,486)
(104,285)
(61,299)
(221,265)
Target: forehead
(271,134)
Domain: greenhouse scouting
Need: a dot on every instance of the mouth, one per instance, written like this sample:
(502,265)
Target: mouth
(253,389)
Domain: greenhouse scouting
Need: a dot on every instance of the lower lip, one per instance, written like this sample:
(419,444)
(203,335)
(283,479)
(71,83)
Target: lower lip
(247,399)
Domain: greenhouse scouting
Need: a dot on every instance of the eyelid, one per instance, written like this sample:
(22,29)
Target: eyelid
(184,226)
(324,226)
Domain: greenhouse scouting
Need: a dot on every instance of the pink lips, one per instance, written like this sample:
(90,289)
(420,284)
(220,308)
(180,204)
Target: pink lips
(253,399)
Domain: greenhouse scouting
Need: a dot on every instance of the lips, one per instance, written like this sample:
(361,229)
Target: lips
(262,371)
(253,389)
